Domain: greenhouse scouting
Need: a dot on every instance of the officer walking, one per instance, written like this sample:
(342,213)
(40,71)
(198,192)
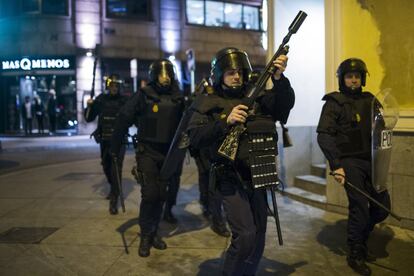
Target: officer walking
(156,111)
(344,135)
(106,107)
(245,206)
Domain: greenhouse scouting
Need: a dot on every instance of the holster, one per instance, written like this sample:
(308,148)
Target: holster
(96,136)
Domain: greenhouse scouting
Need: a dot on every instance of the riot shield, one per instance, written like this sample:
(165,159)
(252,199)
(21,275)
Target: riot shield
(385,113)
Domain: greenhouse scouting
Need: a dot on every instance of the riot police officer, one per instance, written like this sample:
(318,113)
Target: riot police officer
(214,115)
(344,135)
(156,111)
(106,107)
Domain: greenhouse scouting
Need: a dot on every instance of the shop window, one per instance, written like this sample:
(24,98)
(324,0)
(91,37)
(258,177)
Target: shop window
(223,14)
(134,9)
(10,8)
(56,7)
(31,6)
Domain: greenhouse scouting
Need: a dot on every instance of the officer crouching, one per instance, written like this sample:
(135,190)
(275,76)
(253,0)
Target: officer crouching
(106,107)
(344,135)
(214,115)
(156,111)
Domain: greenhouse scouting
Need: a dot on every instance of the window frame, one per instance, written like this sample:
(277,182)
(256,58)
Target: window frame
(260,24)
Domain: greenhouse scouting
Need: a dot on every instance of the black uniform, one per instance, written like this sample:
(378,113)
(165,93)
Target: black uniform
(156,112)
(245,207)
(344,135)
(106,107)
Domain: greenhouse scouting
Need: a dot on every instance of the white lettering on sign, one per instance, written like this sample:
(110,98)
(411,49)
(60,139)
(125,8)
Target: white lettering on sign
(29,64)
(386,139)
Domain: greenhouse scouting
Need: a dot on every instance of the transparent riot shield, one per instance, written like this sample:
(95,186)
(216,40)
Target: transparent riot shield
(385,113)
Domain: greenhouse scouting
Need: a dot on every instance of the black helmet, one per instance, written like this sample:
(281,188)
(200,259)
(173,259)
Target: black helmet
(351,65)
(228,59)
(113,78)
(161,66)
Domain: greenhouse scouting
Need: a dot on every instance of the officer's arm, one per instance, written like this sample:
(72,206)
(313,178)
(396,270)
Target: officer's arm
(279,100)
(204,132)
(92,110)
(124,120)
(327,132)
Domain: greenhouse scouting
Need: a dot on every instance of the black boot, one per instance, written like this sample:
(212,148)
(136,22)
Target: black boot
(220,228)
(158,243)
(168,215)
(113,205)
(145,246)
(356,260)
(206,211)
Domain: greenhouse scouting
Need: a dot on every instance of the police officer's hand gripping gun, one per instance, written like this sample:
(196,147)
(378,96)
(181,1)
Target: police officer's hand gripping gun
(230,144)
(118,181)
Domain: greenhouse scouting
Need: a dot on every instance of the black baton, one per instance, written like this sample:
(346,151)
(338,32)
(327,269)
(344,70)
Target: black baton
(118,180)
(276,215)
(379,204)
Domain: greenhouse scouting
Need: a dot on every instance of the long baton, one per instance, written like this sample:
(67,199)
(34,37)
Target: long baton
(379,204)
(118,180)
(276,215)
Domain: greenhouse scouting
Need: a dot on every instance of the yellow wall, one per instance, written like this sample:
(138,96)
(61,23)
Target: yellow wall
(381,32)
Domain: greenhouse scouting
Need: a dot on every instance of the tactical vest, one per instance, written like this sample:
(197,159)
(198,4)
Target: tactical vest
(354,123)
(257,150)
(110,107)
(161,116)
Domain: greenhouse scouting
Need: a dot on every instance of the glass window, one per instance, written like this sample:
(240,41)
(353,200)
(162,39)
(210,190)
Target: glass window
(56,7)
(128,9)
(251,18)
(8,8)
(214,13)
(195,12)
(223,14)
(232,16)
(31,6)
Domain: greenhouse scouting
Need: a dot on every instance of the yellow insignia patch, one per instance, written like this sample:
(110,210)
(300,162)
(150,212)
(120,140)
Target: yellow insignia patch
(222,116)
(358,117)
(155,108)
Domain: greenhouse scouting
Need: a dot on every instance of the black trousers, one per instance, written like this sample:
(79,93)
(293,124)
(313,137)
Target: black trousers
(28,126)
(40,126)
(107,165)
(210,197)
(153,188)
(363,215)
(173,187)
(246,212)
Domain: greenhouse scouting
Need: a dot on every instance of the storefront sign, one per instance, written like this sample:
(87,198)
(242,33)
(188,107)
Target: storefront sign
(28,64)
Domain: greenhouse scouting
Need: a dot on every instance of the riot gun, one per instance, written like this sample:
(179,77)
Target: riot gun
(230,144)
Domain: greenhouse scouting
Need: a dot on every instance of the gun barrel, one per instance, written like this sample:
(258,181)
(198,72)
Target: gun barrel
(297,22)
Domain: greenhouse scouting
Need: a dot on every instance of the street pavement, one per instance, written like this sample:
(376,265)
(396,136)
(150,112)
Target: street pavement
(54,220)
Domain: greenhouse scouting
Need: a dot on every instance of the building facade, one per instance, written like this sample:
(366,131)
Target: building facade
(62,46)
